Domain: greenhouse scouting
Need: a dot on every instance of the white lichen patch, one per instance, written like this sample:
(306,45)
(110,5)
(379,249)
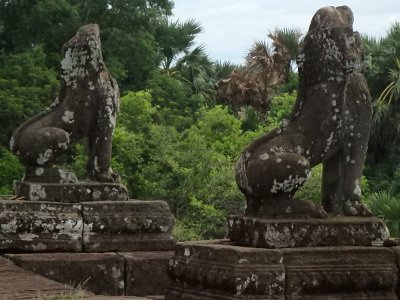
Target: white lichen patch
(44,157)
(115,272)
(110,112)
(96,165)
(36,192)
(91,85)
(241,173)
(263,156)
(121,284)
(28,237)
(289,184)
(63,146)
(39,171)
(9,227)
(303,162)
(277,150)
(68,117)
(186,252)
(71,228)
(357,188)
(96,194)
(329,142)
(67,177)
(12,143)
(281,238)
(39,246)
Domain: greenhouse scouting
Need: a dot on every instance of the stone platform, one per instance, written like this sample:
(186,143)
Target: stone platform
(222,270)
(288,233)
(97,226)
(70,192)
(17,283)
(114,274)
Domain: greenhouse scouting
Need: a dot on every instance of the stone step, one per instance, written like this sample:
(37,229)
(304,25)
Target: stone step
(17,283)
(114,274)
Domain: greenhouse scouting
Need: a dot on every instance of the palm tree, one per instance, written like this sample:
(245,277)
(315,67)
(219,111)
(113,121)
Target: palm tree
(382,71)
(392,91)
(265,69)
(174,38)
(197,69)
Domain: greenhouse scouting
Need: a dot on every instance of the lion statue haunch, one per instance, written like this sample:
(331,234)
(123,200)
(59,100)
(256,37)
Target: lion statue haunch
(330,123)
(86,107)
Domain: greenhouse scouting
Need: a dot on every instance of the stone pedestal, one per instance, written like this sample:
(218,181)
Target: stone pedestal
(40,226)
(222,270)
(70,192)
(127,226)
(288,233)
(100,226)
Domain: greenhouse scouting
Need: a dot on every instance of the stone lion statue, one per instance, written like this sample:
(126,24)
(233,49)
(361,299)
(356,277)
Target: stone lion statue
(86,107)
(329,124)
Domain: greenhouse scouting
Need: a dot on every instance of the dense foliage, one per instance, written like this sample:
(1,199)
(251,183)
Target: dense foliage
(173,142)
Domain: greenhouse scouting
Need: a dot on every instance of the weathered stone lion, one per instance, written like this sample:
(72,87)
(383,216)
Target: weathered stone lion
(330,123)
(86,107)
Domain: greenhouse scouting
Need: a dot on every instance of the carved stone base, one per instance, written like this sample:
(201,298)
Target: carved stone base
(99,226)
(224,271)
(127,226)
(220,270)
(40,226)
(70,192)
(287,233)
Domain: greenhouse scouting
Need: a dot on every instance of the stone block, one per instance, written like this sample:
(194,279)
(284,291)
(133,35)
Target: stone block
(17,283)
(288,233)
(220,270)
(100,273)
(396,251)
(146,272)
(340,273)
(127,226)
(40,226)
(70,192)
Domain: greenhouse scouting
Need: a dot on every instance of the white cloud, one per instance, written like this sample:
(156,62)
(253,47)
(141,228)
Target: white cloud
(231,26)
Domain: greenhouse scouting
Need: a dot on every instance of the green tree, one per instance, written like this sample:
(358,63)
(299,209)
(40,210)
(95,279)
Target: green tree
(127,26)
(382,73)
(10,170)
(27,86)
(175,37)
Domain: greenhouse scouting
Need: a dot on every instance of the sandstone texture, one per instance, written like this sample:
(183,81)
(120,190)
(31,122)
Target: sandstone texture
(221,270)
(288,233)
(127,226)
(97,226)
(70,192)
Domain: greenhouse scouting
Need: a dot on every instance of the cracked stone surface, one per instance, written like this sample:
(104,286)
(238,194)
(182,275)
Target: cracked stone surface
(70,192)
(222,270)
(289,233)
(99,226)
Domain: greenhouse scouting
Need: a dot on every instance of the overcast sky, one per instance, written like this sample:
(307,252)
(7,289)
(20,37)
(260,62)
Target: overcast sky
(231,26)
